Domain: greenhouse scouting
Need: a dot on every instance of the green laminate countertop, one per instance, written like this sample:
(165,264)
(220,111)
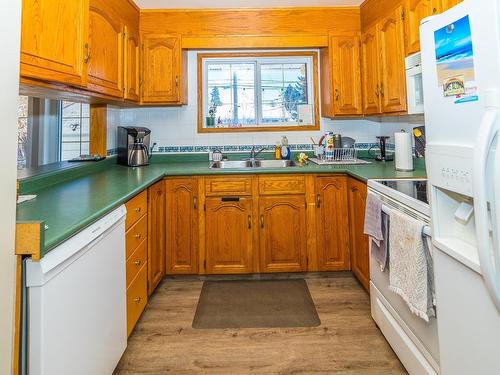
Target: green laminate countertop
(67,205)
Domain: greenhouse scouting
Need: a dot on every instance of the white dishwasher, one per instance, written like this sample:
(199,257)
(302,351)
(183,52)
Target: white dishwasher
(77,302)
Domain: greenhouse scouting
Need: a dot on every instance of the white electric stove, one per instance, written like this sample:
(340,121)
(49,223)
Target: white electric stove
(412,339)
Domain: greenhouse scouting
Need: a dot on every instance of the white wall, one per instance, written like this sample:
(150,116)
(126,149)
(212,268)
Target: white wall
(177,126)
(10,27)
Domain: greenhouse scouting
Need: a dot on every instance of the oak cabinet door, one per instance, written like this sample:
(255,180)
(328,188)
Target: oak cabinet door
(370,72)
(131,65)
(346,75)
(182,226)
(156,234)
(229,236)
(282,222)
(54,43)
(392,69)
(332,236)
(359,241)
(105,72)
(161,68)
(415,11)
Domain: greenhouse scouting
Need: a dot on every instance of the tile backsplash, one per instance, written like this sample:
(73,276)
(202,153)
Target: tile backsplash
(174,129)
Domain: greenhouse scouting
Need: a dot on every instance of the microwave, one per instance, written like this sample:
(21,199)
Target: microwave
(414,84)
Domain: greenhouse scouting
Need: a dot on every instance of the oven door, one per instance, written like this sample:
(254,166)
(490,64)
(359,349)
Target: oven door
(406,332)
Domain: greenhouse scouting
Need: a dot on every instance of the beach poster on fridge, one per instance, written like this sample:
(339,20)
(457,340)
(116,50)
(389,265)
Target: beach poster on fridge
(455,61)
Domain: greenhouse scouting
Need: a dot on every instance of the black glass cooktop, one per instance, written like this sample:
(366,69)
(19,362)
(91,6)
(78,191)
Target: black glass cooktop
(414,189)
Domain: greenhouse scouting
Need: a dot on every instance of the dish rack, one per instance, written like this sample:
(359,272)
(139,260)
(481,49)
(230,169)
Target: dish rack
(347,155)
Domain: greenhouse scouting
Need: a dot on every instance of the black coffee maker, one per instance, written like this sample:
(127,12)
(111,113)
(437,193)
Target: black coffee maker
(133,146)
(382,155)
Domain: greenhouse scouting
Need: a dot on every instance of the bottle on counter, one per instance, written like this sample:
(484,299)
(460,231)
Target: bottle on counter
(277,151)
(285,148)
(330,146)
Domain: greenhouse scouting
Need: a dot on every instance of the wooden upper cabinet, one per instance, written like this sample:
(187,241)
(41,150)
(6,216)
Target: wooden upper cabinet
(131,64)
(370,72)
(443,5)
(156,234)
(105,72)
(54,40)
(414,12)
(346,75)
(161,69)
(332,226)
(229,235)
(182,226)
(283,242)
(392,69)
(360,262)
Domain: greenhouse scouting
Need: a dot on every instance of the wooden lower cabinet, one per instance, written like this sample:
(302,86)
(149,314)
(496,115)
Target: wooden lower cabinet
(332,226)
(360,265)
(182,226)
(229,235)
(156,234)
(137,298)
(282,237)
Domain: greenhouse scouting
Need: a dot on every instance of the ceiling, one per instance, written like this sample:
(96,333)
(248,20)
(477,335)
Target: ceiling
(188,4)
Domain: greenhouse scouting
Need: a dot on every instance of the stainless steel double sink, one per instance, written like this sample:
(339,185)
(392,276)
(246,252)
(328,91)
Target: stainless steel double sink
(251,163)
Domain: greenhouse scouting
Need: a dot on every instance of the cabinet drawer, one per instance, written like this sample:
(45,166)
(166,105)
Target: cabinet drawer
(272,185)
(137,297)
(217,186)
(136,261)
(136,207)
(136,235)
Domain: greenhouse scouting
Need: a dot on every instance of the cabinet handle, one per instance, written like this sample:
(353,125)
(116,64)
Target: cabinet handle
(137,299)
(137,235)
(382,89)
(176,81)
(434,10)
(249,221)
(318,200)
(195,202)
(137,209)
(86,59)
(337,94)
(262,221)
(377,91)
(137,262)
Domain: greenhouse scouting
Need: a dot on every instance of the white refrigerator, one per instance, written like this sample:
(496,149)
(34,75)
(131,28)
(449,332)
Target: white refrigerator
(461,77)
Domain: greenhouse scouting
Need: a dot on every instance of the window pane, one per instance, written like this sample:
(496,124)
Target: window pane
(231,94)
(284,89)
(74,130)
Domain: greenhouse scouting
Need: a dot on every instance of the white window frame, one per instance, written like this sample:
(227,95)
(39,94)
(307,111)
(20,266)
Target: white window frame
(257,61)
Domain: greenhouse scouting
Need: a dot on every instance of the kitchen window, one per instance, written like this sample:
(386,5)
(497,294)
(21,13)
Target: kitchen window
(50,131)
(257,91)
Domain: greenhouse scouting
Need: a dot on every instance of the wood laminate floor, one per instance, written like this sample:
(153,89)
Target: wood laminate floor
(346,342)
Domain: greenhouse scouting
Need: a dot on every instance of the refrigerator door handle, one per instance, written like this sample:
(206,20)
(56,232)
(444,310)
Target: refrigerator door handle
(489,129)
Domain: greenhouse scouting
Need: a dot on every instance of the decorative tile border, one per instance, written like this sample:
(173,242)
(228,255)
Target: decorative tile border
(244,148)
(112,151)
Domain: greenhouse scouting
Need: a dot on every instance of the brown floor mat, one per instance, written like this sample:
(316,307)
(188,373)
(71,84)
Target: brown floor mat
(255,304)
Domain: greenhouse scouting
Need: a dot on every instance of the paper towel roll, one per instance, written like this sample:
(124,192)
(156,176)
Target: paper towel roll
(404,151)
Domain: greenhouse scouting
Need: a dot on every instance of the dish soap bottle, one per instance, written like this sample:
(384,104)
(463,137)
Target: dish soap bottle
(285,149)
(277,151)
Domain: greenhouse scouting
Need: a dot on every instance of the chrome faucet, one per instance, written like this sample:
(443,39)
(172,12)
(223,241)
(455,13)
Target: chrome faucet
(253,153)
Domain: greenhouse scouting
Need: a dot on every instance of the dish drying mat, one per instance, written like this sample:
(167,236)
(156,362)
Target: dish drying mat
(338,162)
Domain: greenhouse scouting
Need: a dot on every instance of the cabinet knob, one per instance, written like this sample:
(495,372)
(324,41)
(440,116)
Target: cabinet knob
(195,202)
(337,94)
(137,299)
(138,235)
(137,209)
(176,81)
(262,221)
(249,221)
(318,200)
(137,262)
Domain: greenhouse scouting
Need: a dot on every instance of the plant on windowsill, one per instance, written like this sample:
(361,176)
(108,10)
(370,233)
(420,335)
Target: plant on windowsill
(212,109)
